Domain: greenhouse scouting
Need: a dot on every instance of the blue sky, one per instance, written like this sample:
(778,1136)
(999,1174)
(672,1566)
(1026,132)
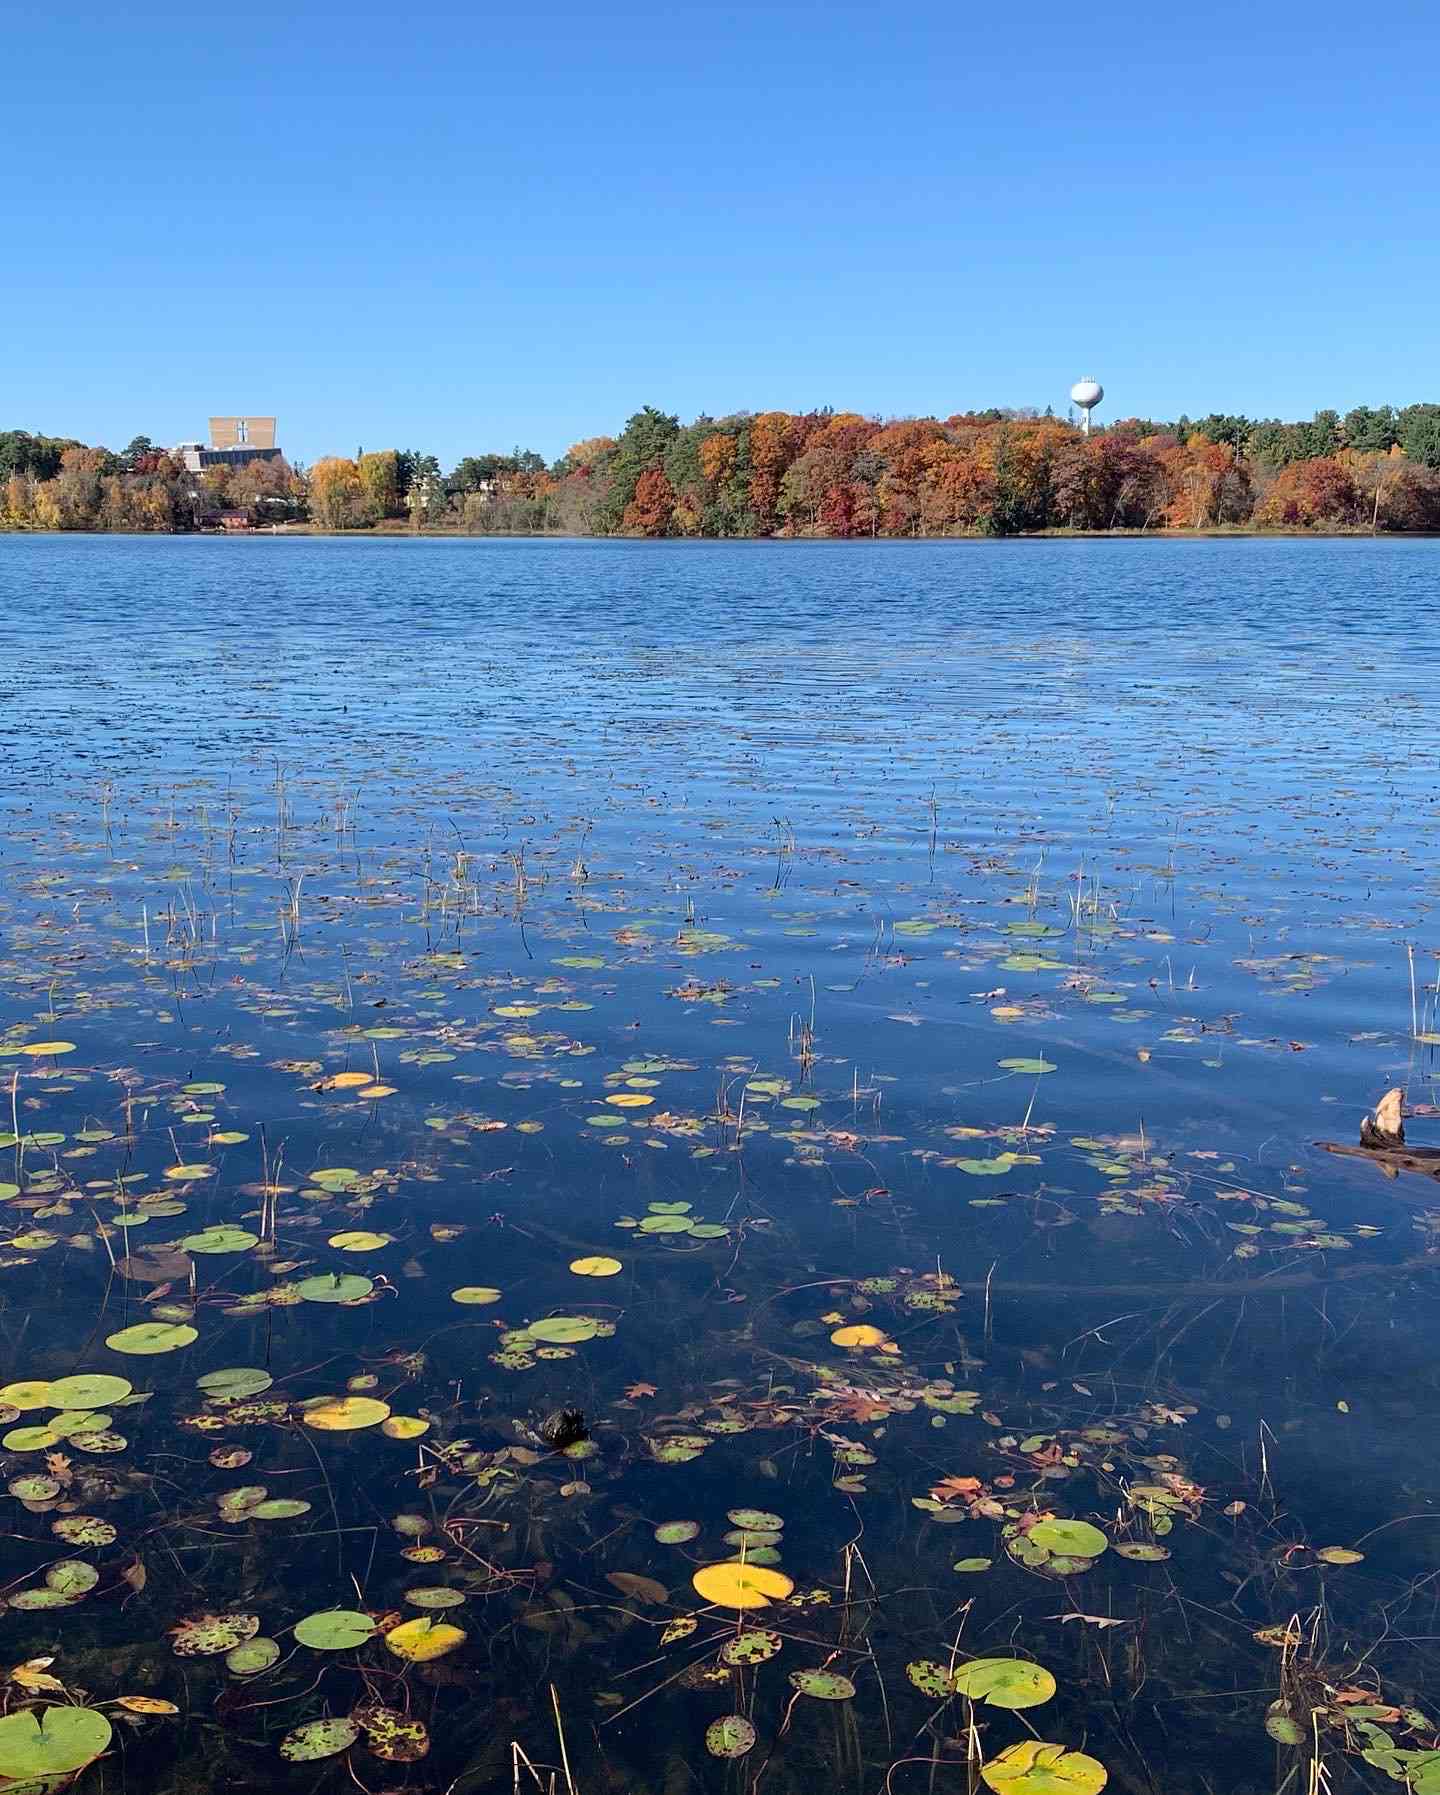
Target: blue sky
(461,229)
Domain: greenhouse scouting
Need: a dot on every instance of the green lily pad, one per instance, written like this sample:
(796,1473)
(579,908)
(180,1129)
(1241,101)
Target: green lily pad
(146,1338)
(1281,1728)
(51,1741)
(32,1600)
(758,1520)
(236,1382)
(220,1240)
(676,1533)
(335,1630)
(88,1390)
(335,1287)
(1075,1539)
(1005,1682)
(253,1656)
(72,1578)
(1027,1065)
(565,1330)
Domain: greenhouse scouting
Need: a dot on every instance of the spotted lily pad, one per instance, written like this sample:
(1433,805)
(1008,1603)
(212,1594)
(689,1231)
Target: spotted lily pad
(931,1679)
(823,1685)
(396,1737)
(731,1737)
(319,1739)
(207,1635)
(754,1646)
(83,1530)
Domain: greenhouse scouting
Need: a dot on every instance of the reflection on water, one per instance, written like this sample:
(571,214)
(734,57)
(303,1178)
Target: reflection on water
(533,1070)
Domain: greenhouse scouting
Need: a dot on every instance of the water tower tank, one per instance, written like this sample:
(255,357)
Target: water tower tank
(1087,393)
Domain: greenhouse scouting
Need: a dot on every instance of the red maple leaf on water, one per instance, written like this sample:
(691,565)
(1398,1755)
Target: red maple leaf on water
(637,1390)
(963,1487)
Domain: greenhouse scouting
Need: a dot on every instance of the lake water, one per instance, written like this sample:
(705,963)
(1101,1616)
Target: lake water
(852,1022)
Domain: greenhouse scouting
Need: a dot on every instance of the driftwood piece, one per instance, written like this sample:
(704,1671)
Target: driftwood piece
(1390,1160)
(1382,1142)
(1386,1128)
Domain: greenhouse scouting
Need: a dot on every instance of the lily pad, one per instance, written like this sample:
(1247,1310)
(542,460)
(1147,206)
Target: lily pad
(676,1533)
(335,1630)
(565,1330)
(236,1382)
(1073,1539)
(930,1678)
(419,1641)
(393,1735)
(83,1530)
(146,1338)
(731,1737)
(823,1685)
(51,1741)
(255,1655)
(335,1287)
(88,1390)
(220,1240)
(345,1414)
(319,1739)
(1035,1767)
(755,1645)
(735,1584)
(207,1635)
(1005,1682)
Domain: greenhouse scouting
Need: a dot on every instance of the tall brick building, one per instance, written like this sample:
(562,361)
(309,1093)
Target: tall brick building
(233,442)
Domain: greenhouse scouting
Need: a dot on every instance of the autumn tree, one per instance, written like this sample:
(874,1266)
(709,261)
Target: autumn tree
(337,499)
(640,448)
(649,512)
(379,476)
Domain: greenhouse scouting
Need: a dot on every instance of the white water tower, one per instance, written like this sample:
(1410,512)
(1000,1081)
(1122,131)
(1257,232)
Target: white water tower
(1087,394)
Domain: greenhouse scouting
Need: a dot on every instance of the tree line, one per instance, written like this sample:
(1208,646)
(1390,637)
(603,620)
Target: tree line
(775,473)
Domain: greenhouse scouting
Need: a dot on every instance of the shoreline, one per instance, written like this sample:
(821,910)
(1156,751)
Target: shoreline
(407,534)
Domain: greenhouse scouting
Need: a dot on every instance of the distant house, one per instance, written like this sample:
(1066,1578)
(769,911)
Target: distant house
(234,520)
(233,443)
